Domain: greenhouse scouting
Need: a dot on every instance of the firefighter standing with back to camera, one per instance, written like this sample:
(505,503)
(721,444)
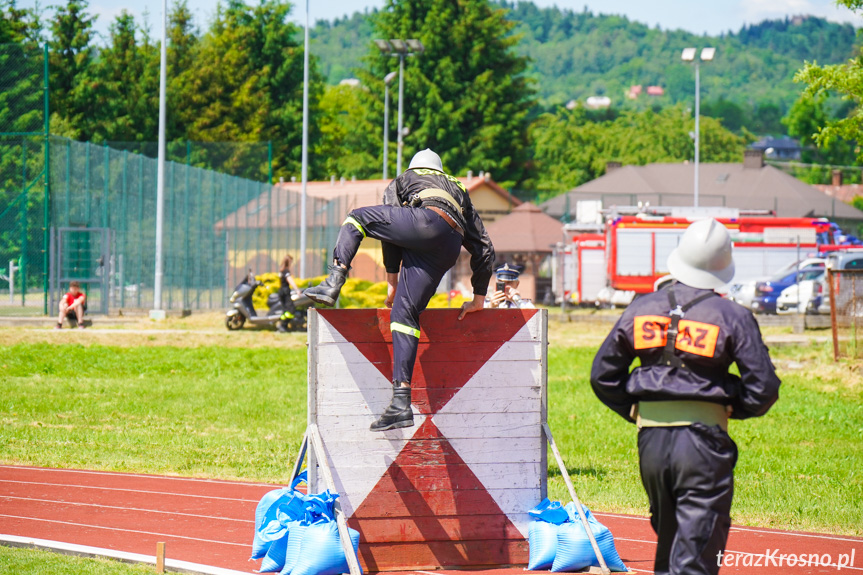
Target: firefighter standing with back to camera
(681,396)
(426,218)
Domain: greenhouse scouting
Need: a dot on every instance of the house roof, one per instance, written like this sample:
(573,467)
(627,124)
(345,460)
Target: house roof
(726,184)
(350,195)
(526,229)
(844,192)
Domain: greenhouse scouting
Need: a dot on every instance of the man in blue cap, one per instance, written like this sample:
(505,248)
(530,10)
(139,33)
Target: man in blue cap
(426,219)
(506,294)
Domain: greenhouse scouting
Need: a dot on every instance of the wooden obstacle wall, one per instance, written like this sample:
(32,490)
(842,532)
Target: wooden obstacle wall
(454,490)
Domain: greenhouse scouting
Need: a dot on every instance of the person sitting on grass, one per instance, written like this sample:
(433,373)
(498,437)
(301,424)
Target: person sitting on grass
(75,301)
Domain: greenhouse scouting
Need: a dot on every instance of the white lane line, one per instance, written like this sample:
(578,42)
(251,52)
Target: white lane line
(172,513)
(124,530)
(753,529)
(128,490)
(122,474)
(87,551)
(792,534)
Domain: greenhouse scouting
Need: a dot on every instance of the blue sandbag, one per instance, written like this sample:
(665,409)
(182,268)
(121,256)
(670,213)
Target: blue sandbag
(542,541)
(274,560)
(321,550)
(574,551)
(265,513)
(296,530)
(550,511)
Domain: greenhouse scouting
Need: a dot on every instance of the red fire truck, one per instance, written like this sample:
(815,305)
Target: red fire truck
(630,255)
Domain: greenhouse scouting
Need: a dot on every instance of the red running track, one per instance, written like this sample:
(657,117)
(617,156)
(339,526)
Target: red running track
(208,524)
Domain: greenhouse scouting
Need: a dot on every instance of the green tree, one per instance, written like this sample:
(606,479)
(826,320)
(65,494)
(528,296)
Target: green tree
(19,25)
(246,82)
(844,80)
(466,96)
(123,86)
(348,142)
(183,44)
(571,149)
(70,57)
(806,120)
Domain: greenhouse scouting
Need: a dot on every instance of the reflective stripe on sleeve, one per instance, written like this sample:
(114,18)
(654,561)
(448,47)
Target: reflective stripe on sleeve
(355,223)
(400,327)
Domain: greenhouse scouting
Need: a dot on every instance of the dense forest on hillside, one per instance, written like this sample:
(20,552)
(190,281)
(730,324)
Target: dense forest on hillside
(574,55)
(501,88)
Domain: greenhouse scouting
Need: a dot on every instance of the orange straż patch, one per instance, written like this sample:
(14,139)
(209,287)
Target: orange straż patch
(693,336)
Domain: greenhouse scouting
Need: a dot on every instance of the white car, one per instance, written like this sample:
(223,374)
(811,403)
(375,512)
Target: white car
(744,292)
(811,295)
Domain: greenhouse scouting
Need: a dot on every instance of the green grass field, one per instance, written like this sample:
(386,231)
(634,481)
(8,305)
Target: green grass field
(232,406)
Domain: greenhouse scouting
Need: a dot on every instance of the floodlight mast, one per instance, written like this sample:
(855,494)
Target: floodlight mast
(396,47)
(387,79)
(688,55)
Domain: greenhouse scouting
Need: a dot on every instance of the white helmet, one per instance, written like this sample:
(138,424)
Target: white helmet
(703,259)
(426,159)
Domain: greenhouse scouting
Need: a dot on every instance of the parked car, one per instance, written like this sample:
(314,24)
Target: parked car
(767,292)
(744,292)
(807,296)
(848,304)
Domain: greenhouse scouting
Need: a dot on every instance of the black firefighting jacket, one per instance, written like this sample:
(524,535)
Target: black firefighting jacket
(712,335)
(402,191)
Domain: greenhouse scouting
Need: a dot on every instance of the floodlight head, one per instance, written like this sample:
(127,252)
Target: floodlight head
(399,46)
(389,77)
(688,55)
(384,46)
(707,54)
(415,45)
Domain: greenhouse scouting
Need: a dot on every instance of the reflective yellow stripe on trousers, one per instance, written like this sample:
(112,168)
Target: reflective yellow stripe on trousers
(400,327)
(356,224)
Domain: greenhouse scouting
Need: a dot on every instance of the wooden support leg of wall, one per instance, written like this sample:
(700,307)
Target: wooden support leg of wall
(572,494)
(320,455)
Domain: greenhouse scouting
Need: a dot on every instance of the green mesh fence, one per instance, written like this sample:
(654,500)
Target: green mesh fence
(23,188)
(216,228)
(93,219)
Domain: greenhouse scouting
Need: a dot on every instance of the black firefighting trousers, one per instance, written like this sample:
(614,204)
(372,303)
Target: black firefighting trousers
(688,473)
(429,247)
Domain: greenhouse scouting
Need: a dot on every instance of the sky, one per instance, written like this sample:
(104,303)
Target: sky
(699,17)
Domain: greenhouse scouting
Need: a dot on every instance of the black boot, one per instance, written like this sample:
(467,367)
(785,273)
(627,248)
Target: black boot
(282,326)
(398,414)
(327,292)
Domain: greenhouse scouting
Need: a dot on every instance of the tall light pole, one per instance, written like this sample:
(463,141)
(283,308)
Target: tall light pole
(387,79)
(157,312)
(305,166)
(688,55)
(401,49)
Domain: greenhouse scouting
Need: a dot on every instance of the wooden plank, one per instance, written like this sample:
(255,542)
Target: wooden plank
(432,452)
(442,555)
(432,528)
(380,503)
(433,480)
(337,373)
(522,425)
(438,352)
(347,404)
(373,325)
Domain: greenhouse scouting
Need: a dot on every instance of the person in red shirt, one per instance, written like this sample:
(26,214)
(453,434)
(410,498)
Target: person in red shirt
(74,301)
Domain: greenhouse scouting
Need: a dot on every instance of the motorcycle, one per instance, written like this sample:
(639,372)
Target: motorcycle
(243,310)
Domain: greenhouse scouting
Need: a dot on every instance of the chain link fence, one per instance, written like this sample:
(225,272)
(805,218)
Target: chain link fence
(23,184)
(846,312)
(86,212)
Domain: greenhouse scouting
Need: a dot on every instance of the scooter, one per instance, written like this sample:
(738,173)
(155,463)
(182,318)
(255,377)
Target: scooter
(243,310)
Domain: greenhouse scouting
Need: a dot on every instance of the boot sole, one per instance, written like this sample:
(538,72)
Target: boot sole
(328,301)
(396,425)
